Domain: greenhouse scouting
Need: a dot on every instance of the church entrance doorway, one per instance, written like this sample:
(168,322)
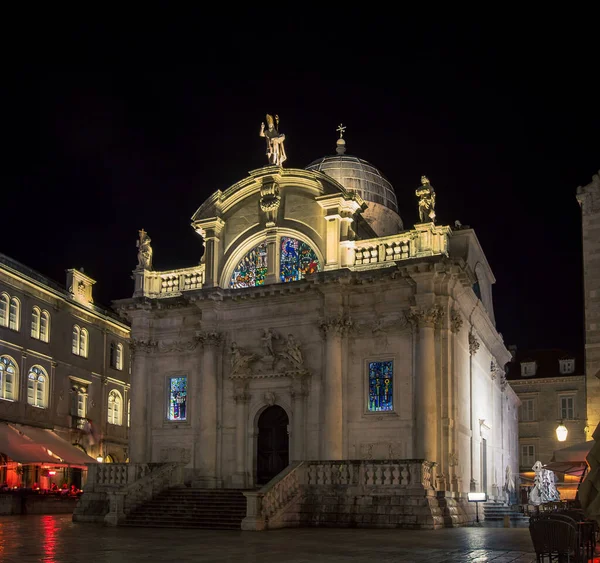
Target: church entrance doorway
(272,454)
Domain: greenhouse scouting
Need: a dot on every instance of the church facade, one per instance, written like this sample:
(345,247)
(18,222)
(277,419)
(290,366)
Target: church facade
(318,327)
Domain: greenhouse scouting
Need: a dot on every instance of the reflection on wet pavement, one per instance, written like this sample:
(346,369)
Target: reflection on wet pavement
(56,539)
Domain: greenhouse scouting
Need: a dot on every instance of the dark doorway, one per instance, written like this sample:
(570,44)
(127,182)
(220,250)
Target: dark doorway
(272,454)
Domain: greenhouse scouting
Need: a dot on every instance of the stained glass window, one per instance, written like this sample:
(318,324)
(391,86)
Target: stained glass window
(381,386)
(297,259)
(177,398)
(252,269)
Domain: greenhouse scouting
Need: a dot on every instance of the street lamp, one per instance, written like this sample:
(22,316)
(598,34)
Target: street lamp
(561,432)
(99,459)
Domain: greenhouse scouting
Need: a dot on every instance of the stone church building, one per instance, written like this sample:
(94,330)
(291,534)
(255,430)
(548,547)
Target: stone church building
(318,326)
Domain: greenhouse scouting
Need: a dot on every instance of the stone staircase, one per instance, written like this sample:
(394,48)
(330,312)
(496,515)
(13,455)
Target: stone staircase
(497,510)
(182,507)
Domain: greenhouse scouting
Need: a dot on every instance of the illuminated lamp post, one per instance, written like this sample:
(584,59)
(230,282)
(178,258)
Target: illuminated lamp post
(561,432)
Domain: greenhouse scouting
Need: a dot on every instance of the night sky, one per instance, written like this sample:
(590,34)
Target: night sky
(111,128)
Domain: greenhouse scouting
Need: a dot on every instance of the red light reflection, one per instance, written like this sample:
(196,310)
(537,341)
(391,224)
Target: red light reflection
(49,530)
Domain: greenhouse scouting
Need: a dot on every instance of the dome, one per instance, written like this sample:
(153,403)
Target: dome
(362,178)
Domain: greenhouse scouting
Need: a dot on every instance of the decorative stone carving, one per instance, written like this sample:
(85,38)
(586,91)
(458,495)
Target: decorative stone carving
(178,345)
(420,317)
(292,351)
(267,342)
(336,326)
(493,370)
(241,360)
(144,251)
(456,320)
(426,195)
(270,200)
(142,346)
(210,337)
(275,149)
(269,397)
(241,394)
(474,344)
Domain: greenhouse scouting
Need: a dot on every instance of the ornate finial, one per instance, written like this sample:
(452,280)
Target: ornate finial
(341,128)
(340,145)
(275,149)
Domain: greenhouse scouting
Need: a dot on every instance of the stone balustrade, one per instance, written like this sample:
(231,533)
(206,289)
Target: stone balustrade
(348,489)
(169,283)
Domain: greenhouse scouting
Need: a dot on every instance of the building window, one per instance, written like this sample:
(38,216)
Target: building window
(527,455)
(115,408)
(79,405)
(527,410)
(14,316)
(45,327)
(128,413)
(8,378)
(37,381)
(80,341)
(177,398)
(4,306)
(528,369)
(381,386)
(296,260)
(116,355)
(40,324)
(36,313)
(567,408)
(566,366)
(252,268)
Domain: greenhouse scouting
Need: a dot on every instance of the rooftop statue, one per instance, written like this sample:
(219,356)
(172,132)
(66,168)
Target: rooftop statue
(275,149)
(144,251)
(426,195)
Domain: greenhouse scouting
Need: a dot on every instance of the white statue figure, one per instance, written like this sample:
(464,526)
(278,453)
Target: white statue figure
(267,340)
(509,484)
(275,149)
(292,350)
(426,195)
(544,489)
(145,251)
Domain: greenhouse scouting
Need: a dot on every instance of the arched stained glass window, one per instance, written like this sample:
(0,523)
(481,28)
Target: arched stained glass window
(252,268)
(381,386)
(297,259)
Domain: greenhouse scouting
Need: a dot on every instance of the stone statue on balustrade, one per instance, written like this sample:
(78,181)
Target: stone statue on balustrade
(426,195)
(144,251)
(275,149)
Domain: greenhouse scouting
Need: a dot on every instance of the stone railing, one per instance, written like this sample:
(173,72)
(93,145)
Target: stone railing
(276,504)
(169,283)
(425,240)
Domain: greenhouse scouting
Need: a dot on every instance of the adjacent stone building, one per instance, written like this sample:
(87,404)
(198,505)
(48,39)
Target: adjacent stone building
(551,386)
(317,327)
(64,378)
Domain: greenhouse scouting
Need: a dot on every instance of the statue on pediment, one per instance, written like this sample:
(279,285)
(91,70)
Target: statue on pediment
(275,149)
(144,251)
(426,195)
(292,351)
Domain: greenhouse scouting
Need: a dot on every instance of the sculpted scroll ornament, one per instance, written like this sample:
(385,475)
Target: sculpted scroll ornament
(456,321)
(474,344)
(142,346)
(270,201)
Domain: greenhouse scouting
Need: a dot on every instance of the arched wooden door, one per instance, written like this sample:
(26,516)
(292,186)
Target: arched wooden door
(272,454)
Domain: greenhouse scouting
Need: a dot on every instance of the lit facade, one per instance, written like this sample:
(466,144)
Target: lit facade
(308,332)
(64,378)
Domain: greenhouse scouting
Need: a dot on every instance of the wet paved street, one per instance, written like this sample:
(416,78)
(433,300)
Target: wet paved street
(56,539)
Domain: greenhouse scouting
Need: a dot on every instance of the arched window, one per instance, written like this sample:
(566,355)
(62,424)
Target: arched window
(4,305)
(115,408)
(80,341)
(36,313)
(45,327)
(14,317)
(37,385)
(8,378)
(252,268)
(296,260)
(116,355)
(119,359)
(128,413)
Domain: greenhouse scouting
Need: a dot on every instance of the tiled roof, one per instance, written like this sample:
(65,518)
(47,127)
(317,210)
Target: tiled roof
(547,363)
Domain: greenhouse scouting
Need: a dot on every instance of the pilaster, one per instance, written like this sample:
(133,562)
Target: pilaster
(210,229)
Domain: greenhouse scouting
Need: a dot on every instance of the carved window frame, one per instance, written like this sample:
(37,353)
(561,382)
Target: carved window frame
(167,422)
(365,398)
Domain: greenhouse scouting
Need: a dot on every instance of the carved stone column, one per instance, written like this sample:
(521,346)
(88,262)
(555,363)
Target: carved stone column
(206,453)
(299,394)
(139,437)
(331,435)
(242,398)
(425,436)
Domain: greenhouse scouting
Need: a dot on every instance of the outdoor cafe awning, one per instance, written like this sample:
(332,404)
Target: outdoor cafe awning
(571,460)
(28,444)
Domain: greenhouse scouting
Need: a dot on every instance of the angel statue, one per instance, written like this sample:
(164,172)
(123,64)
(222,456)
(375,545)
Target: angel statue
(145,251)
(275,148)
(426,195)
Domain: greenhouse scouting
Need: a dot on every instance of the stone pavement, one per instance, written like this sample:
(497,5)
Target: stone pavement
(56,539)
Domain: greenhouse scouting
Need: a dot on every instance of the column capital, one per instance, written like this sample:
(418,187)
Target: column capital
(142,347)
(474,344)
(456,320)
(335,326)
(210,337)
(421,317)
